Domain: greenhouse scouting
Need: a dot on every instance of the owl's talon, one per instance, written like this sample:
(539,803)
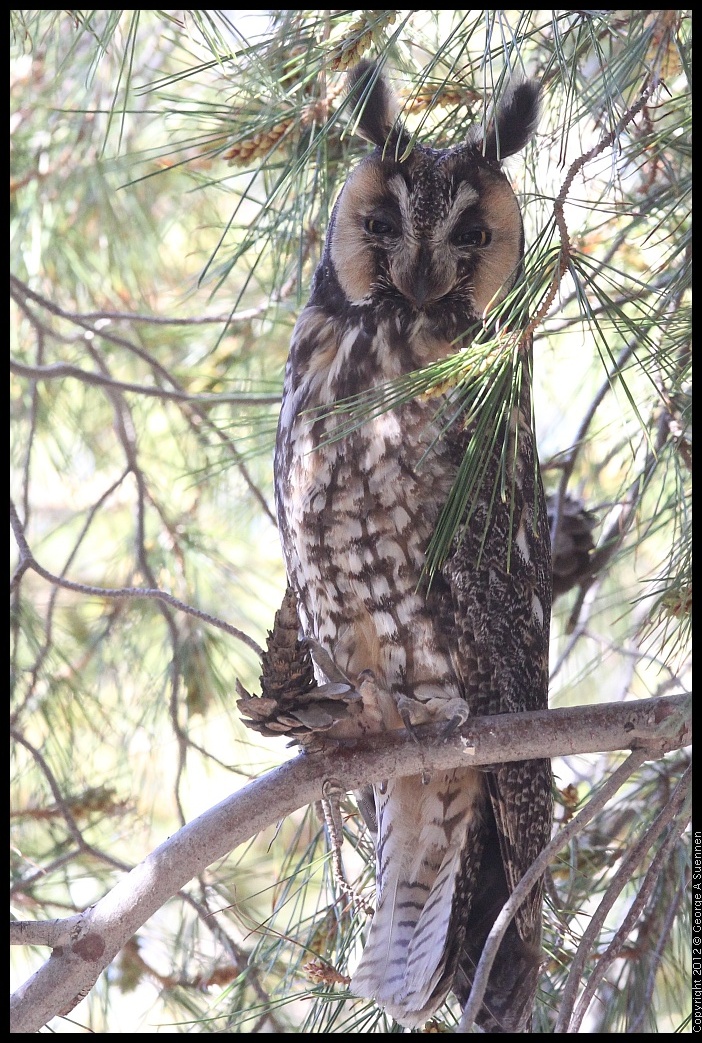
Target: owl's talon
(407,721)
(452,725)
(413,713)
(456,713)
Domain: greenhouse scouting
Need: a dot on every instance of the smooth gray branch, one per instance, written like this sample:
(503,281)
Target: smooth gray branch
(655,726)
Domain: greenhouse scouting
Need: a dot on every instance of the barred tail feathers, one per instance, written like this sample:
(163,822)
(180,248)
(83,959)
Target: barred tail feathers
(425,832)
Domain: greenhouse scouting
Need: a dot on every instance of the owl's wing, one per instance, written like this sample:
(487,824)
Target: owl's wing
(499,574)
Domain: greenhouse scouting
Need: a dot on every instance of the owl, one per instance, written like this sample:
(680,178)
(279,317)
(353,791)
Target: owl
(421,245)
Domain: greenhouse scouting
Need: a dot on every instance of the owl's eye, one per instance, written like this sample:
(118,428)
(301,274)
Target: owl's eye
(473,237)
(376,226)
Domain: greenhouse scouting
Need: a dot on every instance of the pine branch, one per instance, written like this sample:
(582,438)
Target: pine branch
(654,727)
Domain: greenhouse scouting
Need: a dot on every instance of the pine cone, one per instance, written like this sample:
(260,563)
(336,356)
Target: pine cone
(574,543)
(292,703)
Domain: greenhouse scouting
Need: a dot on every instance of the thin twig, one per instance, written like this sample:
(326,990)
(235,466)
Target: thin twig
(71,824)
(656,955)
(28,561)
(619,881)
(81,318)
(60,370)
(20,292)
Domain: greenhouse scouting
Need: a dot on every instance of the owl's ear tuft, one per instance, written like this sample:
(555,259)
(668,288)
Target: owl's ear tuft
(369,93)
(512,125)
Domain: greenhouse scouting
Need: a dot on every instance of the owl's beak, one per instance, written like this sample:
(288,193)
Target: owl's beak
(420,289)
(419,292)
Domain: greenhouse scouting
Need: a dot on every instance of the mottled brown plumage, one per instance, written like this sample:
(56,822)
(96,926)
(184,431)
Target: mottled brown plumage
(419,246)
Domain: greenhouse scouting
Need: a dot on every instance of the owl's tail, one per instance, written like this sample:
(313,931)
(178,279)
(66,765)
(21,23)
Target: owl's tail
(428,855)
(441,883)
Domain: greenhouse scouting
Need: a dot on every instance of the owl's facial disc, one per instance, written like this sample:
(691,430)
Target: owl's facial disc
(441,227)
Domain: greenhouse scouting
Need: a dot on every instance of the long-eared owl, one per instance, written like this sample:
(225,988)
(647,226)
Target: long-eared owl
(422,243)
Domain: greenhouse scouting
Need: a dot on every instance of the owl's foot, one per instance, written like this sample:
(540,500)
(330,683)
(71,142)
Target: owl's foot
(413,713)
(454,712)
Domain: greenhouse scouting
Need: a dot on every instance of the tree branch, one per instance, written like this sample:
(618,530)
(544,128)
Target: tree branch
(28,561)
(61,370)
(655,726)
(567,1021)
(21,293)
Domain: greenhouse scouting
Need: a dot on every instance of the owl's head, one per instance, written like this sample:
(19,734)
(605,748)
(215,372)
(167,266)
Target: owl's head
(433,231)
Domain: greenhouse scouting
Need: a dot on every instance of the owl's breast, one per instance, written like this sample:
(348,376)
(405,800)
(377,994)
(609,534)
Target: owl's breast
(372,493)
(357,515)
(358,501)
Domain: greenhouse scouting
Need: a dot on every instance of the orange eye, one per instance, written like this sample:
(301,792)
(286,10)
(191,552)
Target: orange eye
(374,226)
(473,237)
